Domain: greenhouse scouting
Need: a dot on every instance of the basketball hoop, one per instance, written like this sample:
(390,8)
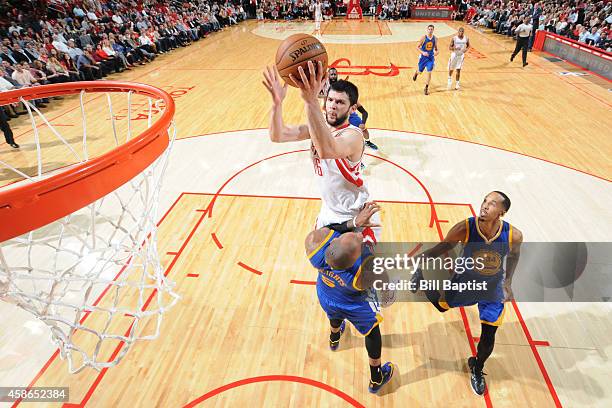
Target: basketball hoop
(78,243)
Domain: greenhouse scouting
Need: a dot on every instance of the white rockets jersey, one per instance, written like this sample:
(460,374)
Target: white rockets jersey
(343,189)
(460,44)
(317,8)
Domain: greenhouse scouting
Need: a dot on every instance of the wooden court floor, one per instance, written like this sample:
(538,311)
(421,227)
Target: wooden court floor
(248,329)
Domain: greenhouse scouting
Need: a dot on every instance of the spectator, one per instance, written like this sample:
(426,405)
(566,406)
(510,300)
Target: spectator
(58,73)
(58,44)
(88,68)
(593,37)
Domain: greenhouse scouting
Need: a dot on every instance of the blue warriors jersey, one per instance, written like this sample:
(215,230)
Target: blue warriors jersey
(338,292)
(429,44)
(489,255)
(337,284)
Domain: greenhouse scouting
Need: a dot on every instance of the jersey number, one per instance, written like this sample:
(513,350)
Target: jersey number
(317,166)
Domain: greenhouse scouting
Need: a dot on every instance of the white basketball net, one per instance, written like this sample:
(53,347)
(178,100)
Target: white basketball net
(93,277)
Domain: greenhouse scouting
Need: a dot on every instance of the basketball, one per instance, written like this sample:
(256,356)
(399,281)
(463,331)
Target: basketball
(441,189)
(295,52)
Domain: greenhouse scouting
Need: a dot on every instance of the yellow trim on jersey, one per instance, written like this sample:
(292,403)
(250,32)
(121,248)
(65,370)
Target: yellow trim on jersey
(467,230)
(497,234)
(510,237)
(499,320)
(358,274)
(379,319)
(443,305)
(321,244)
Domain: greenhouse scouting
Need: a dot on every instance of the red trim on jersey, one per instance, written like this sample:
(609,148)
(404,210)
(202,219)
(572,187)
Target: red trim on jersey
(347,174)
(348,166)
(342,127)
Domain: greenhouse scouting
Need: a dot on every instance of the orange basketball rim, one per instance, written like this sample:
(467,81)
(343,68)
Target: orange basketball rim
(27,206)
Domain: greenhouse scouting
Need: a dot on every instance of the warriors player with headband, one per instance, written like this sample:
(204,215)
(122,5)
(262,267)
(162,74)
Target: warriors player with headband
(458,46)
(336,145)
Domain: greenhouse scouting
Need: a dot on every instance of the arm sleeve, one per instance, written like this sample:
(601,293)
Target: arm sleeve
(339,227)
(364,114)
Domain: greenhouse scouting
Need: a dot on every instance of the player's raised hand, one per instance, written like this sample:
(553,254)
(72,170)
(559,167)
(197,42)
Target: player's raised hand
(310,84)
(363,218)
(273,84)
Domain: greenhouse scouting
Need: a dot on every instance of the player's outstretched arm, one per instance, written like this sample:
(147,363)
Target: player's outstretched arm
(363,219)
(511,262)
(452,45)
(279,132)
(364,114)
(456,234)
(328,147)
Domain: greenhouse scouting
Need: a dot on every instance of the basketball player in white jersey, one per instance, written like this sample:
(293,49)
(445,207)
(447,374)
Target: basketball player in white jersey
(458,46)
(336,146)
(318,16)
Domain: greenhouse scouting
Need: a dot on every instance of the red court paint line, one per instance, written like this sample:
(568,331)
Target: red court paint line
(468,331)
(497,148)
(444,221)
(534,350)
(40,373)
(217,243)
(318,199)
(118,348)
(248,268)
(266,378)
(210,206)
(433,219)
(169,210)
(100,375)
(415,249)
(441,137)
(171,253)
(584,91)
(301,282)
(476,339)
(86,314)
(536,354)
(201,210)
(541,343)
(193,275)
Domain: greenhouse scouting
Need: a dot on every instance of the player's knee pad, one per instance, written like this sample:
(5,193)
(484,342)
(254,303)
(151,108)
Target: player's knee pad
(373,342)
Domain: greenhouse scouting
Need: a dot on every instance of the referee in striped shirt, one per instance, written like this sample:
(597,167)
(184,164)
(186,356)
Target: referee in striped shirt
(523,32)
